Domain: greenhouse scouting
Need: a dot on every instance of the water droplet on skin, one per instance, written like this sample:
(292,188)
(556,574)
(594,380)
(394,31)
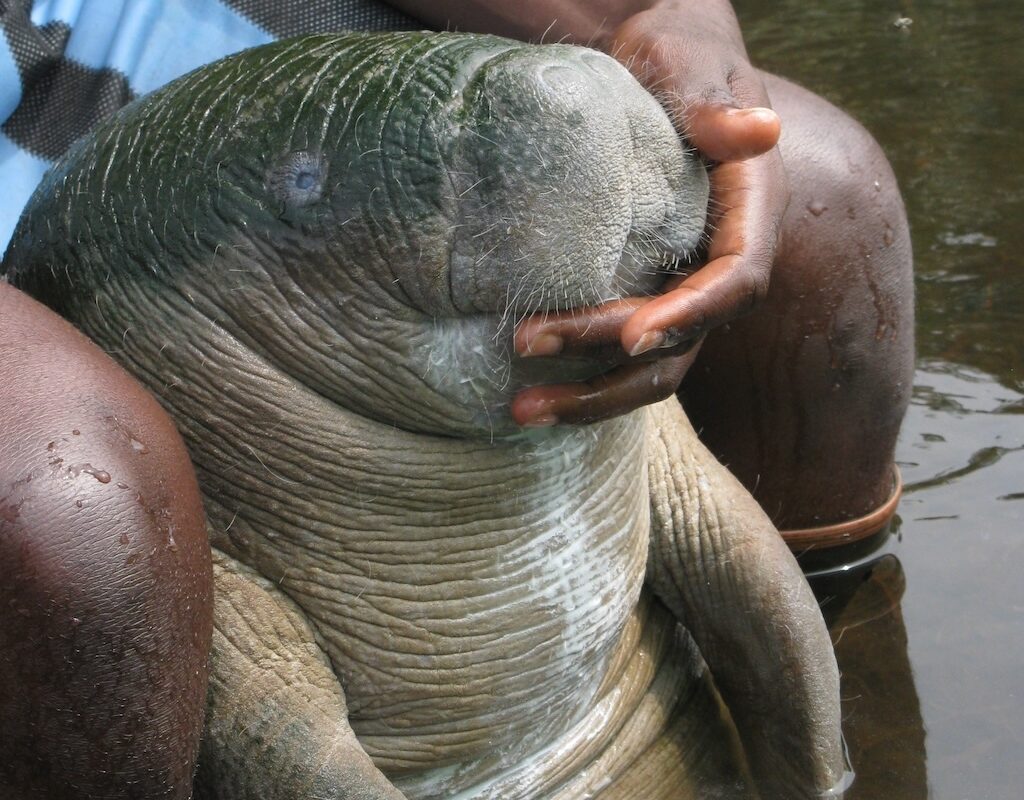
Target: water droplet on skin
(817,208)
(76,621)
(79,504)
(99,474)
(76,432)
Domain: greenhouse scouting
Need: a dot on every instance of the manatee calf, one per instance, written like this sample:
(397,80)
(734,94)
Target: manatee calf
(313,254)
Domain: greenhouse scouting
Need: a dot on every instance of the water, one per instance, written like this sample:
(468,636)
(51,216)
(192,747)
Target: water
(932,642)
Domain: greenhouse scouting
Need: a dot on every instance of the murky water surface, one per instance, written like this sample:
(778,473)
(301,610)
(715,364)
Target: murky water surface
(932,643)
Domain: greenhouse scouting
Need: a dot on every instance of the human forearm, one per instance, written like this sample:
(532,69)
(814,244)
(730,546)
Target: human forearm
(581,21)
(574,20)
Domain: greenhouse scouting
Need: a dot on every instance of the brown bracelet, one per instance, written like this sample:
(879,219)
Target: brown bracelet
(852,530)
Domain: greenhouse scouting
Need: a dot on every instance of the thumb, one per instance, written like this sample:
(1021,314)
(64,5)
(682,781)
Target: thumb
(722,132)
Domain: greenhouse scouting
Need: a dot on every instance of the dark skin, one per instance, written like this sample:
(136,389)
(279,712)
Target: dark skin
(107,590)
(803,398)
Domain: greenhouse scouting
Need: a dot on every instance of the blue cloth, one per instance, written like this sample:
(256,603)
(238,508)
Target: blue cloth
(65,64)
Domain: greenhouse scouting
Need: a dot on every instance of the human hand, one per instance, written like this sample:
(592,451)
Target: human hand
(692,57)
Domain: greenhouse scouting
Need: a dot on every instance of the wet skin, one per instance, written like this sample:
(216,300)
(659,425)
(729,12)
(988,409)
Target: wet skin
(154,338)
(787,395)
(760,433)
(107,590)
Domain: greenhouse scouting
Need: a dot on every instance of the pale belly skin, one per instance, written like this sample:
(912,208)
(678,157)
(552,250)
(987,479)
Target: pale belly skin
(321,295)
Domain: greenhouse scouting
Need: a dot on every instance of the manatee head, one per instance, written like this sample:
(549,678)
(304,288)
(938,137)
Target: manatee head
(368,214)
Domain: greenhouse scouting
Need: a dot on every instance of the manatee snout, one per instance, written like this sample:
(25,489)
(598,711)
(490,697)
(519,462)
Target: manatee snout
(573,186)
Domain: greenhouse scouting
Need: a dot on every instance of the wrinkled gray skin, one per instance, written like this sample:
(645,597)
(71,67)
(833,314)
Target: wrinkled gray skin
(313,255)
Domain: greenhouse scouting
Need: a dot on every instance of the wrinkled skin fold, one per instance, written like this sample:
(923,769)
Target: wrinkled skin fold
(313,254)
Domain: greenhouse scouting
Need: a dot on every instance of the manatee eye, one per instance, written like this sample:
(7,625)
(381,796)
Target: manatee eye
(297,179)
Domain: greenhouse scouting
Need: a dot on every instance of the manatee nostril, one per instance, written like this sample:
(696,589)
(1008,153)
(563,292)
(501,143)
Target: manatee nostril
(558,76)
(603,65)
(297,178)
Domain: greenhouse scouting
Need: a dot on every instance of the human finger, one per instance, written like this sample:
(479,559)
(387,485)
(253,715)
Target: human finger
(723,132)
(619,391)
(750,205)
(574,331)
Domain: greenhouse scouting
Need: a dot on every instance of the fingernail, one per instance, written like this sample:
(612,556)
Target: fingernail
(648,341)
(543,344)
(673,336)
(541,421)
(763,115)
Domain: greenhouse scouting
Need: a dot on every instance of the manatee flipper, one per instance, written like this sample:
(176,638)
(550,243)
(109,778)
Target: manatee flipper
(720,565)
(276,726)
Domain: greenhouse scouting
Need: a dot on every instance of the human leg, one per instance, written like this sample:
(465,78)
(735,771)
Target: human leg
(106,601)
(803,399)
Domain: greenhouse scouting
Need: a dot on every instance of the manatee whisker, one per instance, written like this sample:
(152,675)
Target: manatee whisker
(509,309)
(480,135)
(540,156)
(678,108)
(470,188)
(487,230)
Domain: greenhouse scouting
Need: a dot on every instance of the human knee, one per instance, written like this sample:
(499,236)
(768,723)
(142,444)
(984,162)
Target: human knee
(842,186)
(845,243)
(829,355)
(106,595)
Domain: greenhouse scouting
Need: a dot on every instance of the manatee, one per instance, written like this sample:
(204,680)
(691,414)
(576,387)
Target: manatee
(313,254)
